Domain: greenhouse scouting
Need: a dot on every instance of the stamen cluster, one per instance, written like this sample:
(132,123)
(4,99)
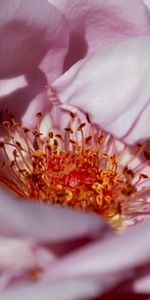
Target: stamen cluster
(79,168)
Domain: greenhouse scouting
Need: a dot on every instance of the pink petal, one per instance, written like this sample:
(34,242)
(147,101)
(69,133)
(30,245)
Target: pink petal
(45,222)
(110,261)
(24,98)
(35,41)
(142,285)
(31,30)
(95,23)
(18,256)
(72,289)
(112,85)
(147,2)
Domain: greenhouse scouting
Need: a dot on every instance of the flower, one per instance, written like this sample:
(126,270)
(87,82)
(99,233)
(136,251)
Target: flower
(57,252)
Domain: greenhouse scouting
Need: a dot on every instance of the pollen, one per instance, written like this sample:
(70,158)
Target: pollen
(82,167)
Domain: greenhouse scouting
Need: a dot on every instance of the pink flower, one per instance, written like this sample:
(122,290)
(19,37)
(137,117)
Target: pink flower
(94,56)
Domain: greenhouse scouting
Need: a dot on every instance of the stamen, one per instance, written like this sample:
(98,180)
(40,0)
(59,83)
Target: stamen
(79,168)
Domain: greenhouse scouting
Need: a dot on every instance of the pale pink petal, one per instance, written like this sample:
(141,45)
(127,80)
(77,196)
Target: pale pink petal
(95,23)
(71,289)
(35,41)
(142,285)
(7,86)
(18,256)
(45,222)
(147,2)
(39,104)
(111,260)
(113,86)
(24,98)
(29,31)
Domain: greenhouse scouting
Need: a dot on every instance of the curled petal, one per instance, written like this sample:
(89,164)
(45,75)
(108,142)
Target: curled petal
(112,85)
(94,24)
(44,222)
(35,40)
(29,31)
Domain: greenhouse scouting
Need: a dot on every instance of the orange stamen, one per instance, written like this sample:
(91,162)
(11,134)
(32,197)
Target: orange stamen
(73,169)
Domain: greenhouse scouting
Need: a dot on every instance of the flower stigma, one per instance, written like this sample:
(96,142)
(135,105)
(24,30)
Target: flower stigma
(80,168)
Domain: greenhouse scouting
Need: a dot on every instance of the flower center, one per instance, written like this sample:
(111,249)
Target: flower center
(80,168)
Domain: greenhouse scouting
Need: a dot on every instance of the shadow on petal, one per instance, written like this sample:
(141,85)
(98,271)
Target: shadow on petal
(18,101)
(123,296)
(77,49)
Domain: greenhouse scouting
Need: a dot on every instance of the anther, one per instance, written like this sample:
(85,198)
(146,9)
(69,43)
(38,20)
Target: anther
(81,126)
